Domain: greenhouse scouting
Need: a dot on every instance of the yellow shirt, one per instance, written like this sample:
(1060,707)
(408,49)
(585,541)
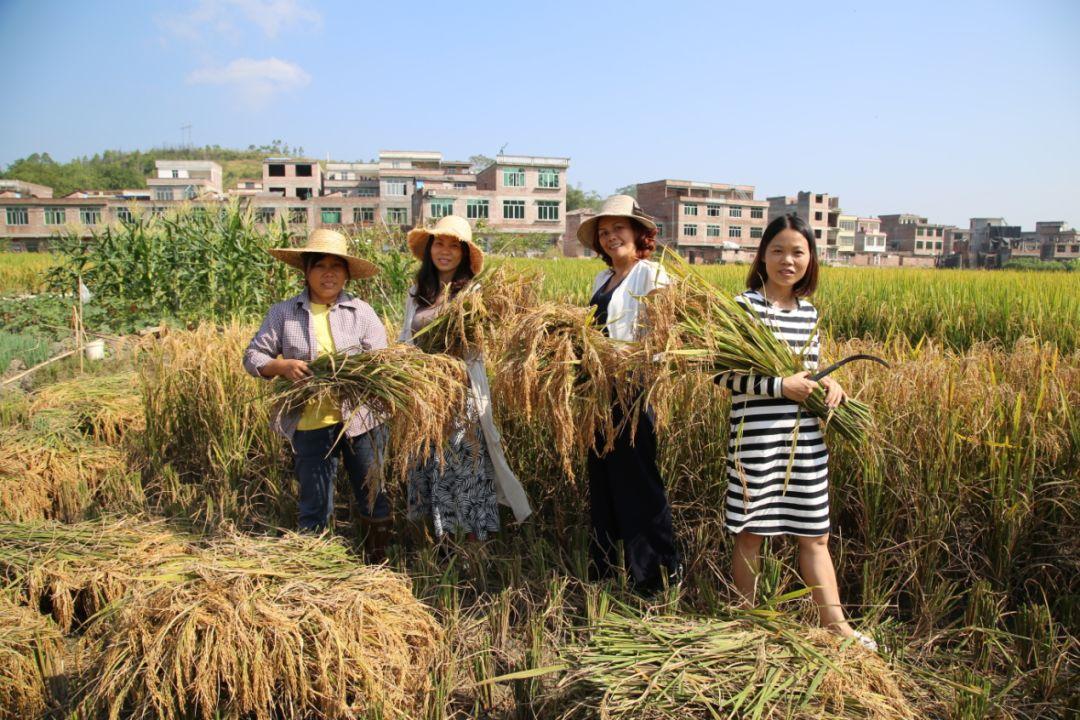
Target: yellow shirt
(327,413)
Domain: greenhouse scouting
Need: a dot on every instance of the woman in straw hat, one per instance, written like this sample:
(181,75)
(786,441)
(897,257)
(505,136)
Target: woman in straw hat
(325,319)
(460,494)
(627,501)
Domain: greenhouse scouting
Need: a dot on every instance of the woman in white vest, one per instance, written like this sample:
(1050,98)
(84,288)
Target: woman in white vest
(462,493)
(627,501)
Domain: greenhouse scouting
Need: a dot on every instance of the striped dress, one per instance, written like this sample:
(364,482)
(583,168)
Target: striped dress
(777,464)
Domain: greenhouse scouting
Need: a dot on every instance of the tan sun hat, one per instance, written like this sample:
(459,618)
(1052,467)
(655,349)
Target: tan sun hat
(453,226)
(615,206)
(328,242)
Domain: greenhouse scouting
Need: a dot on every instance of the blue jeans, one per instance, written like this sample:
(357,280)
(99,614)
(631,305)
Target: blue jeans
(316,463)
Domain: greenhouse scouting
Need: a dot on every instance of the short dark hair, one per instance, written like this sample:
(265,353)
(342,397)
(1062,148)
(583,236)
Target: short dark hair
(808,282)
(428,286)
(311,259)
(644,241)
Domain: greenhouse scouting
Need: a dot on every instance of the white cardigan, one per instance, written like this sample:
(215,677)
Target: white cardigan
(622,314)
(507,487)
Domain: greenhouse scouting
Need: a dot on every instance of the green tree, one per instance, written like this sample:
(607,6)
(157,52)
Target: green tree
(630,190)
(576,198)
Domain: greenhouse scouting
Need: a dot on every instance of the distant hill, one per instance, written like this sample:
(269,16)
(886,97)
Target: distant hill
(116,169)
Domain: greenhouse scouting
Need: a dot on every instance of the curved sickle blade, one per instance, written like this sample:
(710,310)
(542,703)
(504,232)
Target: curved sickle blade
(851,358)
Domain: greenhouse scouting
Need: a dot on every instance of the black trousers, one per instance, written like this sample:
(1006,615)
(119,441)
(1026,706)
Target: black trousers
(627,503)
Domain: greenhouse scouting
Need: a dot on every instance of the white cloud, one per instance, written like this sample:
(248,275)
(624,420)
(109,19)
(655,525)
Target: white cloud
(255,81)
(228,18)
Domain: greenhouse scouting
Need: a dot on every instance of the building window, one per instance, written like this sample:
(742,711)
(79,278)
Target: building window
(734,231)
(277,171)
(817,234)
(514,177)
(735,212)
(367,192)
(712,231)
(55,216)
(90,216)
(689,230)
(18,216)
(441,207)
(757,213)
(176,173)
(547,209)
(331,216)
(163,194)
(918,244)
(395,188)
(303,171)
(477,209)
(919,231)
(937,245)
(278,191)
(819,198)
(689,209)
(513,209)
(817,215)
(304,193)
(124,215)
(756,232)
(362,215)
(461,186)
(713,210)
(549,178)
(264,215)
(659,229)
(397,216)
(298,216)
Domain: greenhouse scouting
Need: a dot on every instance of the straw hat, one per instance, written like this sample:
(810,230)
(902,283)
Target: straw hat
(615,206)
(329,242)
(450,226)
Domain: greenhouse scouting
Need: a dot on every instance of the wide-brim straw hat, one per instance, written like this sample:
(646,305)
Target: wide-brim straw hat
(327,242)
(450,226)
(615,206)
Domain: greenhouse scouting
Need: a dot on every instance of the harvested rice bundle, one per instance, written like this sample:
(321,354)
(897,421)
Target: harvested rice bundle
(103,407)
(31,649)
(694,326)
(749,664)
(54,475)
(266,628)
(470,322)
(78,569)
(554,363)
(419,396)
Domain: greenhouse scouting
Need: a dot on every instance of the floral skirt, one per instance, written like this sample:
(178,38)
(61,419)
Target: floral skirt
(458,494)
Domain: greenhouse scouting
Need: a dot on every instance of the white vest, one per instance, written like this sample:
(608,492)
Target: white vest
(622,314)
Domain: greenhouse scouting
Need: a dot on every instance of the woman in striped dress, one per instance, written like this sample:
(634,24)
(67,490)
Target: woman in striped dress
(777,466)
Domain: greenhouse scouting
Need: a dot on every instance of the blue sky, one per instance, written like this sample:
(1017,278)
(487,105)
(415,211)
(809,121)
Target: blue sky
(947,109)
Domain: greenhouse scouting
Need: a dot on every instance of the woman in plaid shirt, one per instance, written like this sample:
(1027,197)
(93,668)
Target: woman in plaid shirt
(325,319)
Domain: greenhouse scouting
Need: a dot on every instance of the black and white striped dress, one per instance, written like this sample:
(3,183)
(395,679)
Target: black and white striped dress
(777,465)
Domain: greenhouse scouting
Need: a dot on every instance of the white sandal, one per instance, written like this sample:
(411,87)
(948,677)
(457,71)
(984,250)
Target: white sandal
(866,641)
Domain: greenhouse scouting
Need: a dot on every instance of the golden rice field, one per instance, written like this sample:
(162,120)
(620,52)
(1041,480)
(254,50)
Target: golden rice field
(24,272)
(145,572)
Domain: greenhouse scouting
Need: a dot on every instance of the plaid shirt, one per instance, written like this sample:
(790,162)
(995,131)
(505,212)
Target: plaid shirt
(287,331)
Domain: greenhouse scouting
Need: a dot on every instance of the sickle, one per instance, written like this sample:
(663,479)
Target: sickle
(837,365)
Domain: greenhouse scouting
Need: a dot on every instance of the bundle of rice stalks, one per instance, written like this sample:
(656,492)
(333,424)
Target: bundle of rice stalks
(418,395)
(468,323)
(266,628)
(751,664)
(554,363)
(694,327)
(31,648)
(102,407)
(211,453)
(74,571)
(55,475)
